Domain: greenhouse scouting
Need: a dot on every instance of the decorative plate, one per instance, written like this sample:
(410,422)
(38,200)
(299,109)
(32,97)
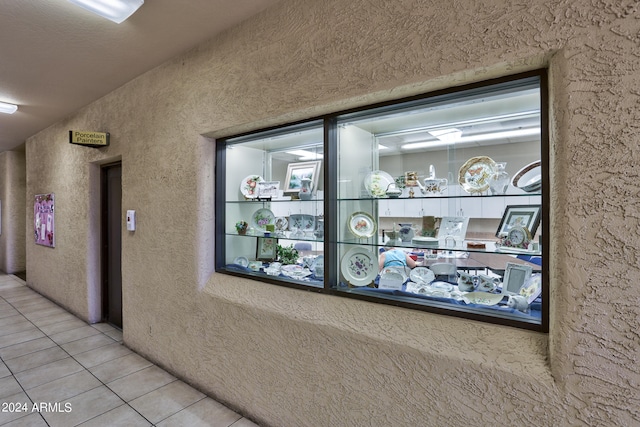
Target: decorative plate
(397,270)
(441,286)
(361,224)
(295,271)
(302,222)
(243,261)
(377,182)
(249,186)
(422,275)
(282,223)
(261,218)
(475,173)
(529,178)
(483,298)
(391,280)
(359,266)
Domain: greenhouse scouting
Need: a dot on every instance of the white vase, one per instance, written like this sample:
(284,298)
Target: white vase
(499,181)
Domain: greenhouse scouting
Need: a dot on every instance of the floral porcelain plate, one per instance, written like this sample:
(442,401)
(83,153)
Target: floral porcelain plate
(422,275)
(261,218)
(282,223)
(362,225)
(475,173)
(359,266)
(249,186)
(377,182)
(483,298)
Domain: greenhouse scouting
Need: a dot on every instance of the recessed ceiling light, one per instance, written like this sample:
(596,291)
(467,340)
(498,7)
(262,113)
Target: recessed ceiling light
(114,10)
(8,108)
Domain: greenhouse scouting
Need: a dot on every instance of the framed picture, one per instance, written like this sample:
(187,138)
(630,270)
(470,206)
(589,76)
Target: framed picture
(514,277)
(268,189)
(297,171)
(266,249)
(455,226)
(43,220)
(519,215)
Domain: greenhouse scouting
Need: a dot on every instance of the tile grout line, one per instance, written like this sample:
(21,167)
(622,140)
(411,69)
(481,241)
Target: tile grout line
(87,369)
(102,383)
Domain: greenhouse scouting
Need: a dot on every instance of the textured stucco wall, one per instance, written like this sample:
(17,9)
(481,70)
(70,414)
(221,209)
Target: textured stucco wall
(293,358)
(12,194)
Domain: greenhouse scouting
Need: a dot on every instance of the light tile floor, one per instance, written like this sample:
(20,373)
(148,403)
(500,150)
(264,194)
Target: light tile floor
(56,370)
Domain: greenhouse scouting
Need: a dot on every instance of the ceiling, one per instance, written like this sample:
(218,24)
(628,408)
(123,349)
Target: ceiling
(56,57)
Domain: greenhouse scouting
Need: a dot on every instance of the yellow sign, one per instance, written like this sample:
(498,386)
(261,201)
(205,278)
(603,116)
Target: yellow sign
(90,139)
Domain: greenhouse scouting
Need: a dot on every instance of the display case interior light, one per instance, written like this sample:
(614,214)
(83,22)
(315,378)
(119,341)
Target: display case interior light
(114,10)
(305,155)
(8,108)
(474,138)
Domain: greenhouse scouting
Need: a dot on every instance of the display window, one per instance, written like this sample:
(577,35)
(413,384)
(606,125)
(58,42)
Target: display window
(435,202)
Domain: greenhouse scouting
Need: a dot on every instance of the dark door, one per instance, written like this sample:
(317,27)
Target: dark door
(112,244)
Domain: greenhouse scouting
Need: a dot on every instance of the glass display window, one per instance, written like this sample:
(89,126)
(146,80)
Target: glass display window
(435,202)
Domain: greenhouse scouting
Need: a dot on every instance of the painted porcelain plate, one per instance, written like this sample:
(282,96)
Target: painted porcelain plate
(302,222)
(249,186)
(261,218)
(362,225)
(422,275)
(282,223)
(243,261)
(484,298)
(377,182)
(397,270)
(475,173)
(359,266)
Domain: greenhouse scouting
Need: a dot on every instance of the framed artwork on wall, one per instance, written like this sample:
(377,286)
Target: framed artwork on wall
(43,220)
(519,215)
(298,171)
(266,249)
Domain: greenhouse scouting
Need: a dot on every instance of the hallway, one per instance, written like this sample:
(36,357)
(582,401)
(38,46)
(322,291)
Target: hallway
(56,370)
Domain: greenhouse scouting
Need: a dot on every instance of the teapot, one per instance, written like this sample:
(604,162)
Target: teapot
(393,191)
(394,238)
(433,185)
(466,282)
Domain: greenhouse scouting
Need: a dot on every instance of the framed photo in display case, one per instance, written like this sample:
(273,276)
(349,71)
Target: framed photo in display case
(519,215)
(297,171)
(266,249)
(514,277)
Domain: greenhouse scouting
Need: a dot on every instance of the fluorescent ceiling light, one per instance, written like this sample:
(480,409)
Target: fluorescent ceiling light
(305,155)
(114,10)
(8,108)
(449,135)
(475,138)
(382,147)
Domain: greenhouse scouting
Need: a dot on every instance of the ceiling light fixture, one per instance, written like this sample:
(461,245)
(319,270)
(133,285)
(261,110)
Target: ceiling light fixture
(8,108)
(475,138)
(114,10)
(305,155)
(449,135)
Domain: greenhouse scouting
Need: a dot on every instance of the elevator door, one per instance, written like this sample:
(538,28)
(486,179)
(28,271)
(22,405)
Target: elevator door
(112,244)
